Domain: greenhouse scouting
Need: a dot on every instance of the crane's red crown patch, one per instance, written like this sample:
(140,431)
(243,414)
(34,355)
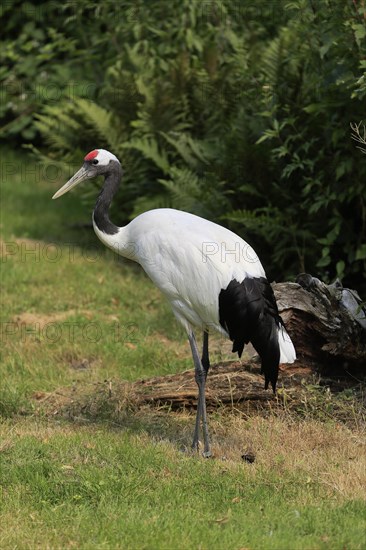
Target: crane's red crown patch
(91,155)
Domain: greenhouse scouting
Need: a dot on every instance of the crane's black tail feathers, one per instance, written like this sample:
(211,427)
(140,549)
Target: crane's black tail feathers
(248,312)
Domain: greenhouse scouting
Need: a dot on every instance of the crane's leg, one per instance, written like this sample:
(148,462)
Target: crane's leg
(205,356)
(200,375)
(205,360)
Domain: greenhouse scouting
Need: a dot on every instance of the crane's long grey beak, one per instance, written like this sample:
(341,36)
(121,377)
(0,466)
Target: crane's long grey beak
(80,176)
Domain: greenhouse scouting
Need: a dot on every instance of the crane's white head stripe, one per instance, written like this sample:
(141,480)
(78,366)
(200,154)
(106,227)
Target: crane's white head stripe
(102,155)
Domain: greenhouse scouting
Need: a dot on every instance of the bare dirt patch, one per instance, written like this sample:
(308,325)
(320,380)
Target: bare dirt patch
(7,250)
(41,319)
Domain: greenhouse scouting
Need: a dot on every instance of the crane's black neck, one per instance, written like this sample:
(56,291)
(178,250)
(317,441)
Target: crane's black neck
(109,189)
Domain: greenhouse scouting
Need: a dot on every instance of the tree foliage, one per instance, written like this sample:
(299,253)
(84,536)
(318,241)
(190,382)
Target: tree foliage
(239,112)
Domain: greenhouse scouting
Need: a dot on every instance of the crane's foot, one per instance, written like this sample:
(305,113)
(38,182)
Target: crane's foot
(196,444)
(207,454)
(196,449)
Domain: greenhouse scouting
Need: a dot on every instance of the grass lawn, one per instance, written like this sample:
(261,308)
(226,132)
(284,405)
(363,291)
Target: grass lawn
(73,314)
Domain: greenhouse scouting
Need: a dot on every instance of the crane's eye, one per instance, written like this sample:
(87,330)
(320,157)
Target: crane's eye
(95,161)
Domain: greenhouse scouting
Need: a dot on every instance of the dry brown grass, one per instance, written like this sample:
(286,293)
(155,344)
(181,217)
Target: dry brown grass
(330,454)
(305,446)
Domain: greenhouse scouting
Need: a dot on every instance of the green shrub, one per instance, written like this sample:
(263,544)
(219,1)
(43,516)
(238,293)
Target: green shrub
(239,113)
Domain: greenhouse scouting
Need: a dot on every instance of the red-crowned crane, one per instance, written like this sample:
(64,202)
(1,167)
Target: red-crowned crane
(212,278)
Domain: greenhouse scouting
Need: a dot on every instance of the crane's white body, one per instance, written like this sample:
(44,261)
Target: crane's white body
(212,278)
(190,260)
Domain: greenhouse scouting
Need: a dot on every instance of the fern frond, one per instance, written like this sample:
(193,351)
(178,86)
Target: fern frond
(101,121)
(186,192)
(190,150)
(150,149)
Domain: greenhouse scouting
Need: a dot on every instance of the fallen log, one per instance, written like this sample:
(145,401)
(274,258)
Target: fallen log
(330,340)
(328,330)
